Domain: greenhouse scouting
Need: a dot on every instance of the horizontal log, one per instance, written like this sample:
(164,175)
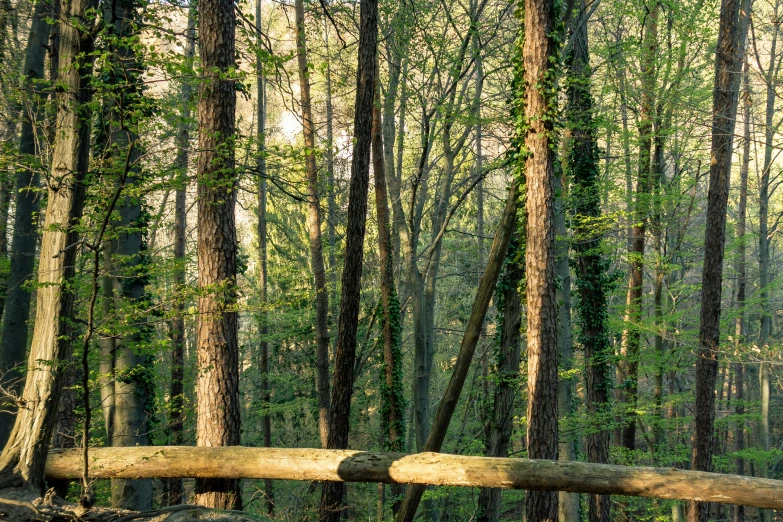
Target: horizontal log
(422,468)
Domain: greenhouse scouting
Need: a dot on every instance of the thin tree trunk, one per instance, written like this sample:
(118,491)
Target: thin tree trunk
(174,488)
(218,421)
(728,60)
(507,376)
(345,352)
(13,341)
(632,337)
(740,328)
(331,200)
(393,400)
(568,503)
(24,456)
(770,79)
(470,338)
(314,225)
(263,276)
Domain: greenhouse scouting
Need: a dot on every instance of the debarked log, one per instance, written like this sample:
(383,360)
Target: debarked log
(421,468)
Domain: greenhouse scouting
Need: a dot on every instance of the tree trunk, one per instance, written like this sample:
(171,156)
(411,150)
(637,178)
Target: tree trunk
(467,348)
(263,276)
(542,432)
(217,389)
(175,491)
(632,337)
(591,267)
(345,352)
(331,200)
(506,375)
(13,341)
(125,272)
(314,225)
(393,398)
(422,468)
(770,79)
(24,456)
(740,328)
(728,60)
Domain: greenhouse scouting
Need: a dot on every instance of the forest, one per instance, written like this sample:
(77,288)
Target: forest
(433,260)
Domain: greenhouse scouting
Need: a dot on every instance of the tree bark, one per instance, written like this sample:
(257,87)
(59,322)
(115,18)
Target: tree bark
(217,389)
(422,468)
(728,59)
(13,341)
(539,50)
(314,226)
(24,456)
(345,352)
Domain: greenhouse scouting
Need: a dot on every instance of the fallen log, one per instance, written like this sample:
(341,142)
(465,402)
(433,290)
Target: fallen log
(422,468)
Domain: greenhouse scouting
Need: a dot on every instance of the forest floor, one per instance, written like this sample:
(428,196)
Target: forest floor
(19,505)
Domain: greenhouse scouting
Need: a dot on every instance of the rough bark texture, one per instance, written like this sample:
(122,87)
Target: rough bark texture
(467,348)
(345,352)
(24,456)
(628,370)
(507,380)
(421,468)
(217,389)
(13,341)
(174,488)
(591,268)
(539,49)
(314,226)
(728,61)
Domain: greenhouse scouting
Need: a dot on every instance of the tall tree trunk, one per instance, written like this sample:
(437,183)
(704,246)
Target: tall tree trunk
(126,271)
(174,488)
(539,51)
(263,276)
(314,225)
(331,200)
(591,267)
(393,399)
(13,341)
(568,503)
(770,79)
(740,330)
(218,422)
(506,374)
(24,456)
(632,337)
(345,352)
(728,60)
